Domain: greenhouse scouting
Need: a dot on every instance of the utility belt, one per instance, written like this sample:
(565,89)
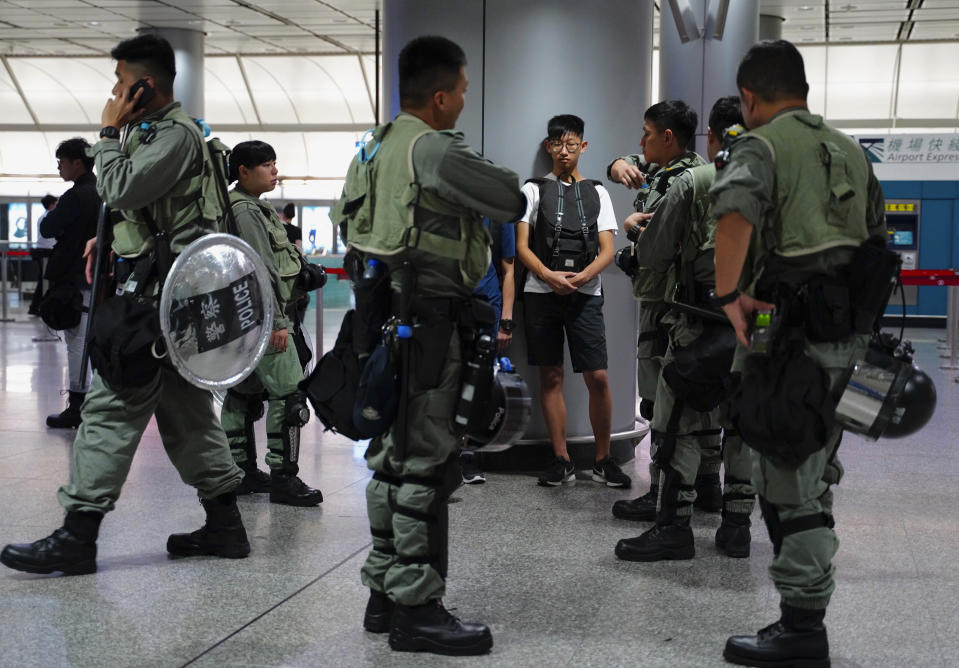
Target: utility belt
(698,300)
(833,308)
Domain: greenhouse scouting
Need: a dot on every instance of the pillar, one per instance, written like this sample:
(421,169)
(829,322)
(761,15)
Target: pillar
(188,51)
(529,61)
(770,26)
(703,69)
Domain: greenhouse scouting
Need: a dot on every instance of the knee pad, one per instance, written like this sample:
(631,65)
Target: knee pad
(296,412)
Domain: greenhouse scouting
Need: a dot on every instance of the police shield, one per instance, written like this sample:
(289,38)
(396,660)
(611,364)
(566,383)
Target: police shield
(216,311)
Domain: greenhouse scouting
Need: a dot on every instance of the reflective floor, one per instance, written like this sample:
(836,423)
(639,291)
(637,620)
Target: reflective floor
(536,564)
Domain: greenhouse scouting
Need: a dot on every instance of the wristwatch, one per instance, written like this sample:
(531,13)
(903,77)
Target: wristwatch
(109,132)
(506,324)
(722,300)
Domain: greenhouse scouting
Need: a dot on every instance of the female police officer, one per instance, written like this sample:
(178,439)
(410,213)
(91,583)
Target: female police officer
(253,166)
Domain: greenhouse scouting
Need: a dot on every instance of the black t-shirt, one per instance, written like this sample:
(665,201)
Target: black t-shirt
(293,233)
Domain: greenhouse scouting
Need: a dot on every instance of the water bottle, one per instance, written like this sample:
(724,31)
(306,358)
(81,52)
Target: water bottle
(474,378)
(372,271)
(761,334)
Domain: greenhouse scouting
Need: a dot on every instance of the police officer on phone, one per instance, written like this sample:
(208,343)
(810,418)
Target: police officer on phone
(412,204)
(795,201)
(161,172)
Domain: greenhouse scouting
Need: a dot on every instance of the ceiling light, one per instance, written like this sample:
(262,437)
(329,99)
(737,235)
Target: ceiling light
(93,23)
(805,8)
(809,27)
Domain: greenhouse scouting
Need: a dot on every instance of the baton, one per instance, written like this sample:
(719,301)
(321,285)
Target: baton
(404,332)
(98,293)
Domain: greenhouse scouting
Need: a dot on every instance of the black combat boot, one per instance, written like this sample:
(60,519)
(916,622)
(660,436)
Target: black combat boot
(288,489)
(379,612)
(71,549)
(70,417)
(254,480)
(797,639)
(640,509)
(671,538)
(709,493)
(664,541)
(222,535)
(285,486)
(733,535)
(431,628)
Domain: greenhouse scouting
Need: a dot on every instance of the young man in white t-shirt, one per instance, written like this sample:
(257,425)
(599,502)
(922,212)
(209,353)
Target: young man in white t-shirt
(565,239)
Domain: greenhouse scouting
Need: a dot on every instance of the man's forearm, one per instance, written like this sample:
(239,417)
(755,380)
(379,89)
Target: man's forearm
(509,289)
(733,233)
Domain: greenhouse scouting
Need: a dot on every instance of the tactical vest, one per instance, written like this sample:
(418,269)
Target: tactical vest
(694,271)
(286,255)
(386,213)
(660,179)
(648,285)
(565,236)
(817,206)
(187,211)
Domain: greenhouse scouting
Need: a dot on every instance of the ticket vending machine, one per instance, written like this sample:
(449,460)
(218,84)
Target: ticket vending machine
(902,220)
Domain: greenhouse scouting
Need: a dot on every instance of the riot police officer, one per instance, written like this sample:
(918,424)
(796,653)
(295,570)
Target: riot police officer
(412,202)
(668,128)
(253,167)
(161,177)
(795,202)
(679,245)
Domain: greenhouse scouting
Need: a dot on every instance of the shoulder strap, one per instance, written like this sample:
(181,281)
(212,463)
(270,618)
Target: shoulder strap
(219,156)
(416,236)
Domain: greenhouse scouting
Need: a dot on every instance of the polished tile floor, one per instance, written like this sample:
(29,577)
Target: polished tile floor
(536,564)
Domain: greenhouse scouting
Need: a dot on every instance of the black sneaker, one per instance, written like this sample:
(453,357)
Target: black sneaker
(608,471)
(472,475)
(559,471)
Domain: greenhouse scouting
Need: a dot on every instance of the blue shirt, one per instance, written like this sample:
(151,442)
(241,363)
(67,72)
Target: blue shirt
(489,288)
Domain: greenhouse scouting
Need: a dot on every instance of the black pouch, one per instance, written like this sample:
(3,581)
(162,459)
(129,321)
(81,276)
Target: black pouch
(332,386)
(828,311)
(782,407)
(699,373)
(122,340)
(62,306)
(872,275)
(376,396)
(431,340)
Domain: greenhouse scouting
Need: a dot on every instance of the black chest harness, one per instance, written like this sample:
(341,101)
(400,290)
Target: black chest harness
(570,245)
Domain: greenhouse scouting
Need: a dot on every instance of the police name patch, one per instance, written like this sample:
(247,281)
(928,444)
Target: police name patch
(219,316)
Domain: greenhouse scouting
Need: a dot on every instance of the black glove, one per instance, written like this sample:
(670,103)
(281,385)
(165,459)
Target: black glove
(312,277)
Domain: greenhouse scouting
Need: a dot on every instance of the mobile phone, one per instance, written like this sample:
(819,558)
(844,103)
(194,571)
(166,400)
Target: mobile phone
(145,97)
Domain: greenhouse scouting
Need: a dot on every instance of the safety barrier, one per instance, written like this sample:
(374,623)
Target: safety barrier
(950,279)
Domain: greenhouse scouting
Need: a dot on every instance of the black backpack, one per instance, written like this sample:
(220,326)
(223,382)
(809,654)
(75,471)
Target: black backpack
(332,386)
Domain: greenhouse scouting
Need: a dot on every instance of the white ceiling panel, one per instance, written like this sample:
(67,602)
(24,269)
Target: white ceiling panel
(860,83)
(42,80)
(11,104)
(936,30)
(927,88)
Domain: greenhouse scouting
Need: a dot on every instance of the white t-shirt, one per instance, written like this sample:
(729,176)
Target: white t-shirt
(606,221)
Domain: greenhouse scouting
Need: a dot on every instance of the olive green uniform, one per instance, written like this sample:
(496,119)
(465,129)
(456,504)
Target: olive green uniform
(649,287)
(677,248)
(425,192)
(786,178)
(278,373)
(167,171)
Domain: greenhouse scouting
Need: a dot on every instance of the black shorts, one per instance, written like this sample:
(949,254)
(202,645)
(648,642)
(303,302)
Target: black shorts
(547,315)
